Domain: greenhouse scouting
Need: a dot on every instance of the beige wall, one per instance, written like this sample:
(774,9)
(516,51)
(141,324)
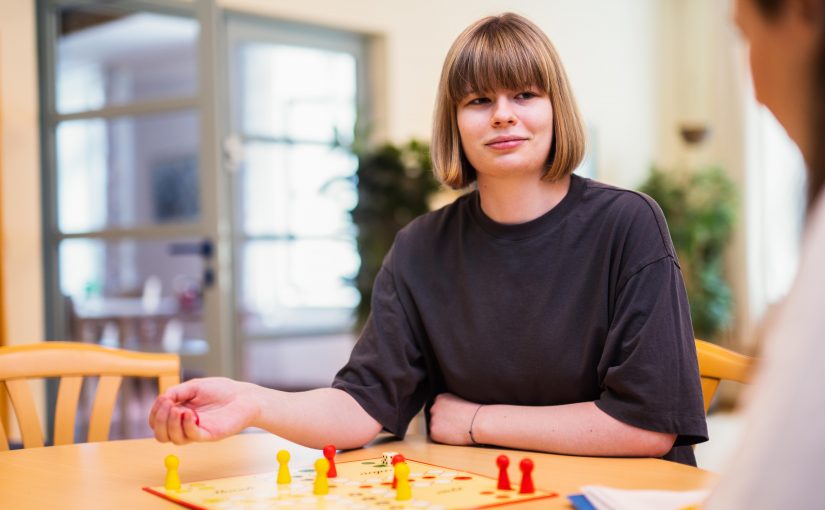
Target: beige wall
(21,251)
(20,254)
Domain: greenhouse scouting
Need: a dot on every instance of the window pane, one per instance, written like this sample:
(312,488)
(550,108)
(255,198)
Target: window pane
(301,189)
(783,208)
(134,294)
(127,171)
(107,57)
(299,93)
(298,285)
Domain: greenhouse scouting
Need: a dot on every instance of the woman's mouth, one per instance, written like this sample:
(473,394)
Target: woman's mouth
(505,142)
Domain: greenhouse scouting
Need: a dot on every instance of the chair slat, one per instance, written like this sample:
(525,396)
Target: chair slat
(72,361)
(37,360)
(709,387)
(23,404)
(718,364)
(4,439)
(104,403)
(66,410)
(721,363)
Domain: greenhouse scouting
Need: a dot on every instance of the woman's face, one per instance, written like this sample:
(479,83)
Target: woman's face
(781,61)
(506,133)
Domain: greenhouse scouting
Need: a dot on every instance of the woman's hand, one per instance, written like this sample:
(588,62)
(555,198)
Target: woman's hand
(203,410)
(451,418)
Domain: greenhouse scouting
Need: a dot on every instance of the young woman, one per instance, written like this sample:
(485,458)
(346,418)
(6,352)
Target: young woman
(540,311)
(782,457)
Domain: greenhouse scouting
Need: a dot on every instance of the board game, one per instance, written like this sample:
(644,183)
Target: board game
(360,484)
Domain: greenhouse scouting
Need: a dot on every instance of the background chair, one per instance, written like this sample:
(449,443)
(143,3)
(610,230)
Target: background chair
(71,362)
(716,364)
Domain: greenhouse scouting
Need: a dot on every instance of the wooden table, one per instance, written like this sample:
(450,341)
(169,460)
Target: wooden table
(111,474)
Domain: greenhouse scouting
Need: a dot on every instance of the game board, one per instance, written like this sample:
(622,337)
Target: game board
(360,484)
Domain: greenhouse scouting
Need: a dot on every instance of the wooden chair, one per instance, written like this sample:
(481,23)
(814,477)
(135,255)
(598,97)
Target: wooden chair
(716,364)
(71,362)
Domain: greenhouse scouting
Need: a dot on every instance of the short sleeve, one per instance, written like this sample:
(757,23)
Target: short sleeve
(386,371)
(648,373)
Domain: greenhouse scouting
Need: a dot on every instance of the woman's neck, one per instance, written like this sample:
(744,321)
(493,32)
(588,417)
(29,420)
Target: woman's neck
(513,201)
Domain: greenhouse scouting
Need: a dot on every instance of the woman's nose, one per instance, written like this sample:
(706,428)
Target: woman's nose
(503,114)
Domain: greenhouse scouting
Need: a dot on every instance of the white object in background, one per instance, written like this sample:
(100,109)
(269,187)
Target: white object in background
(152,289)
(172,340)
(608,498)
(110,336)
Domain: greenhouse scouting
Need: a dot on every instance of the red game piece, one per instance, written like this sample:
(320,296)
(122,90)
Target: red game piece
(395,460)
(329,453)
(503,478)
(526,486)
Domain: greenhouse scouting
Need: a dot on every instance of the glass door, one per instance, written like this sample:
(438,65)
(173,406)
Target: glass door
(297,93)
(130,180)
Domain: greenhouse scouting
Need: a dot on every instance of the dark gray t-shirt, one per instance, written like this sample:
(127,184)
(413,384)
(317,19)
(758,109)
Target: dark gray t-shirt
(585,303)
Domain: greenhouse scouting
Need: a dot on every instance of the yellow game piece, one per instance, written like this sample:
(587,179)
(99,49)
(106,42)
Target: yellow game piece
(402,474)
(321,480)
(172,478)
(283,468)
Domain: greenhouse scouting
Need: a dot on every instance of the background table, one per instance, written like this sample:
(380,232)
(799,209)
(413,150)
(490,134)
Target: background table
(111,474)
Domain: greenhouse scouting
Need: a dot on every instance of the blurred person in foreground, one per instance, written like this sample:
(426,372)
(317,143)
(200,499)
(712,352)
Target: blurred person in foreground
(782,456)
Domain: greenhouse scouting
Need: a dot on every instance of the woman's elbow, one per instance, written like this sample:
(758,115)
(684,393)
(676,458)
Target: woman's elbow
(359,435)
(656,444)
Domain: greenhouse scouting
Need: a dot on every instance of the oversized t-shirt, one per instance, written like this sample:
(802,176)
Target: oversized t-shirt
(584,303)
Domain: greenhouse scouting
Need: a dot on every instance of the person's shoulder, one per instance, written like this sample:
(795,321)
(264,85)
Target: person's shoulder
(626,202)
(630,211)
(434,224)
(418,243)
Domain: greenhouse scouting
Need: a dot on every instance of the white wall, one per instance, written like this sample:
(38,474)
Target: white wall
(608,46)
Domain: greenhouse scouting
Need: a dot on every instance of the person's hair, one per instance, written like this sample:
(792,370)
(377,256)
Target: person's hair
(504,52)
(816,165)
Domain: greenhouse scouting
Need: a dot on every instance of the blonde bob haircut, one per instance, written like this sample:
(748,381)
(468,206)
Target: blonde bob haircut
(504,52)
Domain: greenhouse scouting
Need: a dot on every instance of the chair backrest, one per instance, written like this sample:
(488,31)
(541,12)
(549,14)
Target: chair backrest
(71,362)
(716,364)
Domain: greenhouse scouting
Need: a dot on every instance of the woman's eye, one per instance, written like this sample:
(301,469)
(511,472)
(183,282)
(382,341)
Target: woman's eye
(478,100)
(528,94)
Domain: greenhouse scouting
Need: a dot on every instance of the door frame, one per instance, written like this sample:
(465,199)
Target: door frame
(221,359)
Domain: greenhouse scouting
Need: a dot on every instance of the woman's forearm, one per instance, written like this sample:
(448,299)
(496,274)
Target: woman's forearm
(574,429)
(315,418)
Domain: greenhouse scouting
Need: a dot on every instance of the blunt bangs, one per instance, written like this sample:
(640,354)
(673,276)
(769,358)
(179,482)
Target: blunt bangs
(498,58)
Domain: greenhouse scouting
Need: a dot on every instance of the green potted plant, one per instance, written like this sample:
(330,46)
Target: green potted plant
(700,208)
(395,183)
